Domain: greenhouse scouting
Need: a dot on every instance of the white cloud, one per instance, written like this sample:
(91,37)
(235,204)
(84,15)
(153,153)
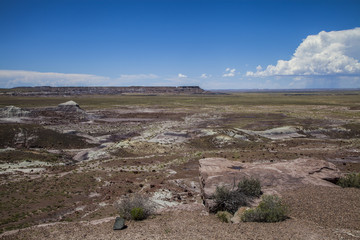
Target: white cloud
(259,68)
(204,76)
(182,75)
(229,72)
(137,76)
(14,78)
(327,53)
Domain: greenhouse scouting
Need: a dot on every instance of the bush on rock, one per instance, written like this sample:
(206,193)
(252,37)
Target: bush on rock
(231,200)
(135,207)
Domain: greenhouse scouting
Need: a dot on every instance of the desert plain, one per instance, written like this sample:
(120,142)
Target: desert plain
(65,162)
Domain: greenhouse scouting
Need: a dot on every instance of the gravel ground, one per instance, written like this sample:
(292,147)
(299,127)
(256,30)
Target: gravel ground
(332,207)
(315,213)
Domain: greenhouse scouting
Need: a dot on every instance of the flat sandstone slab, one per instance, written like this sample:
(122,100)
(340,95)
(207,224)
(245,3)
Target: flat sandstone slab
(274,177)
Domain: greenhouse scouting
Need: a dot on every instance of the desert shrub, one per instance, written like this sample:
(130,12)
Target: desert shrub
(270,209)
(137,213)
(250,187)
(350,180)
(231,200)
(135,207)
(227,200)
(224,216)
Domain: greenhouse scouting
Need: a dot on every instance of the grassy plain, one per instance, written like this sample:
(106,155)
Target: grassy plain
(334,98)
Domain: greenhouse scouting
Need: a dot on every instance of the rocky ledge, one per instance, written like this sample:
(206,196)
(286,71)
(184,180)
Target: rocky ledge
(274,177)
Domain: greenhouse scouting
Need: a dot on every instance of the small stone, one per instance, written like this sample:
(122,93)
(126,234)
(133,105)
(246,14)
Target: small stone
(119,223)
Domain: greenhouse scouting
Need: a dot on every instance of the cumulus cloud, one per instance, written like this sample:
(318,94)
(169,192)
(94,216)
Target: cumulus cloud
(15,78)
(259,68)
(327,53)
(229,72)
(204,76)
(182,75)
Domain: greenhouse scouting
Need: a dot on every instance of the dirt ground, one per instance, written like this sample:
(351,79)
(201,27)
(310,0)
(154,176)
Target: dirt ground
(61,172)
(316,213)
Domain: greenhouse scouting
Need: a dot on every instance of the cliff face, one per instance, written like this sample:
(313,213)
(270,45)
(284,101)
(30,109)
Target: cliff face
(69,91)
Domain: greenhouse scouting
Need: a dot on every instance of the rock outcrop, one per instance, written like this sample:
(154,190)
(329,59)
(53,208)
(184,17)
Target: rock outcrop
(13,112)
(279,133)
(274,177)
(69,106)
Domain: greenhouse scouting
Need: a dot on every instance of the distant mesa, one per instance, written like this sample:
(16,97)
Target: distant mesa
(74,91)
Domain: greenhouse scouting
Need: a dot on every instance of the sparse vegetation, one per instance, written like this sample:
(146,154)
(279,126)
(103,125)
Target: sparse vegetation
(231,200)
(15,156)
(137,213)
(270,209)
(67,190)
(136,207)
(228,200)
(350,180)
(36,136)
(224,216)
(250,186)
(247,99)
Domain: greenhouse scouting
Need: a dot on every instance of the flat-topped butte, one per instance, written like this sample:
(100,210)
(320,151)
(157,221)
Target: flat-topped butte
(69,91)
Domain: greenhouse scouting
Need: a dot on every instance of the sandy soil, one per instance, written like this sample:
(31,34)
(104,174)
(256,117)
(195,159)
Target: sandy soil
(315,213)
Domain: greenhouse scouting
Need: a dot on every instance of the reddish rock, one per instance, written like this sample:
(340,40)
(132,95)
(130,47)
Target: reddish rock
(274,177)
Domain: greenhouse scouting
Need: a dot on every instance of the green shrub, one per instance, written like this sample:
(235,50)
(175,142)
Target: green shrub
(224,216)
(270,209)
(227,200)
(135,207)
(137,213)
(231,200)
(250,186)
(350,180)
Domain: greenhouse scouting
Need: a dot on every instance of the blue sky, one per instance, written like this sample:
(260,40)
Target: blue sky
(215,44)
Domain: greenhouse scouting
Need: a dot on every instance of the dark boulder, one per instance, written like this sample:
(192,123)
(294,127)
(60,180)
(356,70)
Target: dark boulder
(119,223)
